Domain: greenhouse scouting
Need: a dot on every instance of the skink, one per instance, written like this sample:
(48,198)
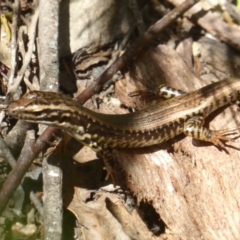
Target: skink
(153,125)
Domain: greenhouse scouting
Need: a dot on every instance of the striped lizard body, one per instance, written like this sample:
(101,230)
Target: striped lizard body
(152,125)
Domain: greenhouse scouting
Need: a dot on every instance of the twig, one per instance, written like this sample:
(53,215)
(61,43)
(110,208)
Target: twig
(48,45)
(53,202)
(22,30)
(49,71)
(6,153)
(36,203)
(29,84)
(214,24)
(15,7)
(2,116)
(23,163)
(32,33)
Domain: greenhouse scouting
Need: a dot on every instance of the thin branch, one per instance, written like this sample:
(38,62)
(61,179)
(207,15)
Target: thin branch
(14,41)
(38,205)
(213,24)
(23,163)
(49,71)
(6,153)
(32,34)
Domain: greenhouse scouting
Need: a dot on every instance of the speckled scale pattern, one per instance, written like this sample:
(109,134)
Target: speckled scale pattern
(153,125)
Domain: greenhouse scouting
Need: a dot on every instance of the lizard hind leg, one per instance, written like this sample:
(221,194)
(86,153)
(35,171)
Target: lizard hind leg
(107,156)
(193,128)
